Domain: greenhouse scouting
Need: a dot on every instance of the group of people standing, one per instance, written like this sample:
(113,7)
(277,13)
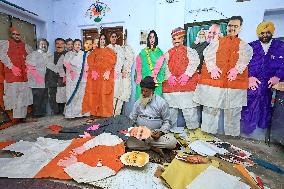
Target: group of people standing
(219,74)
(61,81)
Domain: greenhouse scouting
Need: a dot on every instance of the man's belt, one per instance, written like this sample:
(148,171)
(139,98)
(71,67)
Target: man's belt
(145,116)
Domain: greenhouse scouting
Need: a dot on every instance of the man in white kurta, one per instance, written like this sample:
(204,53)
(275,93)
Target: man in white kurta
(224,80)
(118,74)
(181,80)
(17,94)
(37,62)
(128,60)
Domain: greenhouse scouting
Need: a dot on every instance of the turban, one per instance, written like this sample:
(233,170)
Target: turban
(13,29)
(148,82)
(178,31)
(265,25)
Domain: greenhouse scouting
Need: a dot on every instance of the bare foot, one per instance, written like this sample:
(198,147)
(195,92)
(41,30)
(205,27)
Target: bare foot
(158,150)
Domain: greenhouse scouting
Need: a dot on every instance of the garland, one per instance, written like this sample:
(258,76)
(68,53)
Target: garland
(149,59)
(150,62)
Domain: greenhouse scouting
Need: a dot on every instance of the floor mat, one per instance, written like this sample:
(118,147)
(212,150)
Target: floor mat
(114,125)
(33,184)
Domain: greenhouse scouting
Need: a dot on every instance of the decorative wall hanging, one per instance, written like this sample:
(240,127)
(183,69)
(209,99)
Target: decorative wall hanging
(97,11)
(211,9)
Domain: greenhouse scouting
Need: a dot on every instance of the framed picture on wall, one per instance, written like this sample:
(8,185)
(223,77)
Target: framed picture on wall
(143,37)
(192,29)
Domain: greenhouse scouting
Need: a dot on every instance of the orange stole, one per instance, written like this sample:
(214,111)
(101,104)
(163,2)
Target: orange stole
(178,62)
(109,156)
(227,56)
(98,98)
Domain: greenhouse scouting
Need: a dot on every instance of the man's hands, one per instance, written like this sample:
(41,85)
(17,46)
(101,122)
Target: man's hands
(140,132)
(156,135)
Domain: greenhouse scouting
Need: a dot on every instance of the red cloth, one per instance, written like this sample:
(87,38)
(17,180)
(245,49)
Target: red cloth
(17,54)
(55,129)
(178,62)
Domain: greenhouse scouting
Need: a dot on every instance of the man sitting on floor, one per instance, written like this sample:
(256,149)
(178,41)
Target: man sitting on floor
(153,112)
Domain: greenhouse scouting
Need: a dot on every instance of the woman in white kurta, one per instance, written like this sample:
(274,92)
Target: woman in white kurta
(75,80)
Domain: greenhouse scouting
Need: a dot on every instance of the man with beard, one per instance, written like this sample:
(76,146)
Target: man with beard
(181,80)
(37,62)
(54,79)
(17,94)
(224,80)
(199,45)
(266,69)
(152,111)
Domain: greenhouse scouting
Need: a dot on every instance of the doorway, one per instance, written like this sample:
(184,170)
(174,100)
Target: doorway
(93,34)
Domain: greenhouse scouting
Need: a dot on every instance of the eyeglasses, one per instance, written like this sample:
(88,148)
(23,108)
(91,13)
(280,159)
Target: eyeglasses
(235,26)
(16,34)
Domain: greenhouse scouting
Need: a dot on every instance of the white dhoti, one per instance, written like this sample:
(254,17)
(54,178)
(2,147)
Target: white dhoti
(17,97)
(183,101)
(61,95)
(190,116)
(210,120)
(117,106)
(214,100)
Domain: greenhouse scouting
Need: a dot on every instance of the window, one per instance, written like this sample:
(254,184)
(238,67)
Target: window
(27,30)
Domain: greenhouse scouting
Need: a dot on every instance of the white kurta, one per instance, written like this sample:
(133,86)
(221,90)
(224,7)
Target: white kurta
(215,98)
(223,98)
(17,95)
(182,100)
(61,91)
(127,64)
(118,70)
(40,61)
(74,109)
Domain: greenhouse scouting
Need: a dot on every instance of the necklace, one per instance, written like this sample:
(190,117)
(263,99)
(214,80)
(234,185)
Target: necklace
(149,59)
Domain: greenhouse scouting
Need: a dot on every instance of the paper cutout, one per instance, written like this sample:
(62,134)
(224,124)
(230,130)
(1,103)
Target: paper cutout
(93,127)
(135,158)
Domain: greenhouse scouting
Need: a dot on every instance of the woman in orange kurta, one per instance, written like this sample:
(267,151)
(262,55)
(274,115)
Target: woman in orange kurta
(98,99)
